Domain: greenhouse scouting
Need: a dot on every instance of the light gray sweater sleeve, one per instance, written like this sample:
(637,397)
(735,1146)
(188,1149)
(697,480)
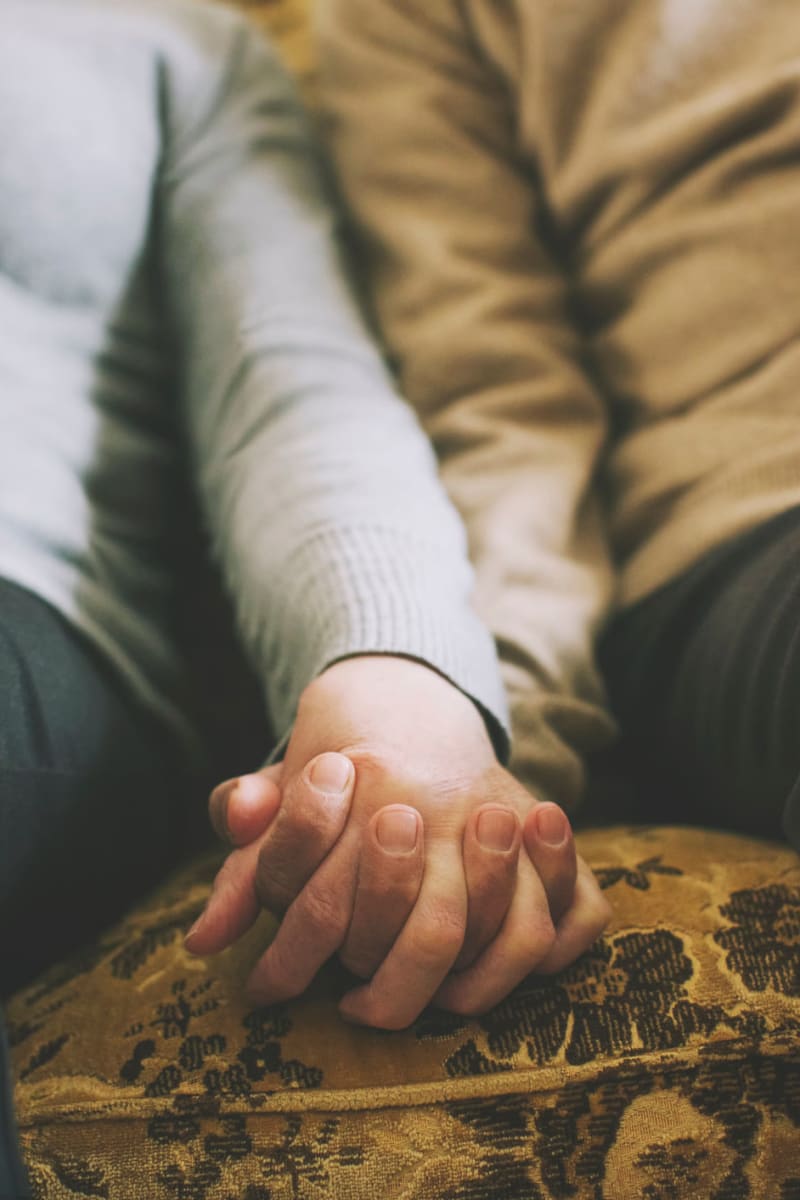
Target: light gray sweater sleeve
(320,490)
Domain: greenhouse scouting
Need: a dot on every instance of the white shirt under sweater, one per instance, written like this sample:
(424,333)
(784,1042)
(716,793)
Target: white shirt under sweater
(169,271)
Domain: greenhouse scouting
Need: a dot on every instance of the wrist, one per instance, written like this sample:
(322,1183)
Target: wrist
(400,677)
(393,696)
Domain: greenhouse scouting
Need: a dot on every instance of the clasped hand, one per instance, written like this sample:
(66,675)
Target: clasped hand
(391,836)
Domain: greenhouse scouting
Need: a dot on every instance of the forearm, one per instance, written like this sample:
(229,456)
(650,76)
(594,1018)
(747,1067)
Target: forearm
(476,313)
(337,539)
(319,487)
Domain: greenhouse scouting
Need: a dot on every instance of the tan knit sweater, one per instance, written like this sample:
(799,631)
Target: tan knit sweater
(582,219)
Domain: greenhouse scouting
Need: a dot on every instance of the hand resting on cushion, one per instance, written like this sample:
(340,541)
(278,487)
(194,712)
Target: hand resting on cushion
(391,835)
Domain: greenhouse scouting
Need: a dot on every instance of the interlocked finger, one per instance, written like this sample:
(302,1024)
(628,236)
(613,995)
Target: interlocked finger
(389,878)
(491,850)
(313,929)
(241,809)
(526,937)
(550,845)
(425,950)
(312,815)
(580,926)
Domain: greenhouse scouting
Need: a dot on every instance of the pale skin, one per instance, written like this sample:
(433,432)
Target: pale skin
(391,836)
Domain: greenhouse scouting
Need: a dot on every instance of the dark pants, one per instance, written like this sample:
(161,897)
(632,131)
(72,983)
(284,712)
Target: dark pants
(704,677)
(95,804)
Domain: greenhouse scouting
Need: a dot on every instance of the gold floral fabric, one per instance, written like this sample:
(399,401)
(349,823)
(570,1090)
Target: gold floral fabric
(663,1065)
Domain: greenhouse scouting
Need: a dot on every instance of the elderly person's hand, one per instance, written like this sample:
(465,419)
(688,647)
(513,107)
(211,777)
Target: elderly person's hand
(391,835)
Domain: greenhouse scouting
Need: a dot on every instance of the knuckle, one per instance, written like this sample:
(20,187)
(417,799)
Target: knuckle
(324,915)
(358,961)
(478,936)
(282,871)
(550,968)
(464,1004)
(381,778)
(430,951)
(597,923)
(535,943)
(273,890)
(551,965)
(280,971)
(600,918)
(303,817)
(499,788)
(543,939)
(385,898)
(591,905)
(439,936)
(377,765)
(387,775)
(489,894)
(605,911)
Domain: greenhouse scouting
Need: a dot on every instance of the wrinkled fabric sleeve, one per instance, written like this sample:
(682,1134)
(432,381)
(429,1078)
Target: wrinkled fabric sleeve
(320,490)
(476,315)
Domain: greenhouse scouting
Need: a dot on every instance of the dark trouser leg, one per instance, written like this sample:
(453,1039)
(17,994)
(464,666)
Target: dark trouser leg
(704,676)
(93,802)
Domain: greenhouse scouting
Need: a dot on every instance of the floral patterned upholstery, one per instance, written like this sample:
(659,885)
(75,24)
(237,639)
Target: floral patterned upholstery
(664,1065)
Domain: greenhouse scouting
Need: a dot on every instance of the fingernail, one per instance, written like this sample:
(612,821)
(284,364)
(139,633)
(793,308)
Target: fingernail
(496,829)
(247,792)
(194,928)
(243,801)
(397,830)
(331,772)
(551,824)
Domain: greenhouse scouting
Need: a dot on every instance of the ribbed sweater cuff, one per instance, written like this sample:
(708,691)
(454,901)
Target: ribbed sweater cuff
(371,591)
